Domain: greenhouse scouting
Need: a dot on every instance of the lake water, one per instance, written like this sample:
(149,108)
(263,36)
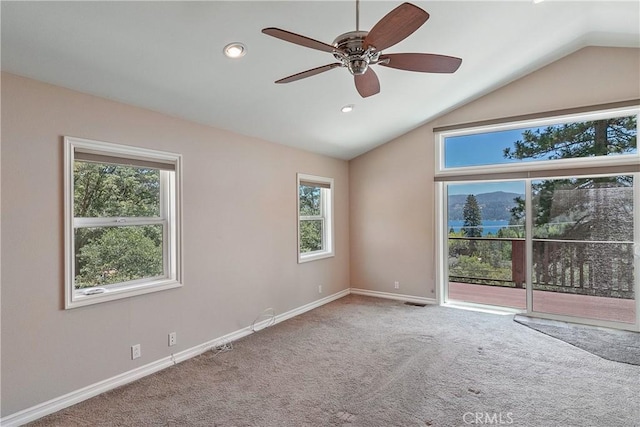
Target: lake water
(487,226)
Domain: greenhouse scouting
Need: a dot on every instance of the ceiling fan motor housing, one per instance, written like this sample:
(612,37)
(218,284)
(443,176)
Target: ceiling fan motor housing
(352,53)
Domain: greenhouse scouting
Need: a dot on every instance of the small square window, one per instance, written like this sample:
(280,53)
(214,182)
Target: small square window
(315,217)
(122,221)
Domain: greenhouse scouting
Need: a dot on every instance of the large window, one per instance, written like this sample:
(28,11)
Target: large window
(122,217)
(542,215)
(595,138)
(315,217)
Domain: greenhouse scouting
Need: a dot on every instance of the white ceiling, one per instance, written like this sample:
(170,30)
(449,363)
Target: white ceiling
(167,57)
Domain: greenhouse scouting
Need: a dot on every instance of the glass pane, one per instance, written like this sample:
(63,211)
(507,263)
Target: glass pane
(311,235)
(310,200)
(106,190)
(607,137)
(486,243)
(107,255)
(583,247)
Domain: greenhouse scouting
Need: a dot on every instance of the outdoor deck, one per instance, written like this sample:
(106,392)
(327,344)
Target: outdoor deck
(613,309)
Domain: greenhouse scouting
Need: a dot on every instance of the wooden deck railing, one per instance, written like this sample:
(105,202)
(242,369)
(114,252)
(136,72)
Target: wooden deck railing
(598,268)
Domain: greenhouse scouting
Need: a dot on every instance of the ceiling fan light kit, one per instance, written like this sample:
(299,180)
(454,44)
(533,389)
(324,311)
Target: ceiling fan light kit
(358,50)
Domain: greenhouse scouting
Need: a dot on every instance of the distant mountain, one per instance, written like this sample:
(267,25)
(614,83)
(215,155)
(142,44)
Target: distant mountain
(495,206)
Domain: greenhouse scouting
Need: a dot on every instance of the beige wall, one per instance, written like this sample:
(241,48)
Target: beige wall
(392,213)
(239,242)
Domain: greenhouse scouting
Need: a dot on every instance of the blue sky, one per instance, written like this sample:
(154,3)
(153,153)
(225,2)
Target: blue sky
(480,149)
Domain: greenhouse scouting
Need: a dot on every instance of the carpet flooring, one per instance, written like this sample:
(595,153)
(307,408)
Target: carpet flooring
(362,361)
(610,344)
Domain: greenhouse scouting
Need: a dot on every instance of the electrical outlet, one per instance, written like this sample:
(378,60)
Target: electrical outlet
(136,351)
(173,339)
(319,289)
(396,284)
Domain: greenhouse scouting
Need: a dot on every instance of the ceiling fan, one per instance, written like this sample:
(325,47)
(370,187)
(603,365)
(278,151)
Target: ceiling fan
(359,50)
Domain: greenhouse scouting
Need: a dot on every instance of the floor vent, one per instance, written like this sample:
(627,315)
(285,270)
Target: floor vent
(416,304)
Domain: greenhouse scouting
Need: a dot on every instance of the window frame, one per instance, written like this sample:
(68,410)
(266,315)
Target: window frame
(326,216)
(169,219)
(539,165)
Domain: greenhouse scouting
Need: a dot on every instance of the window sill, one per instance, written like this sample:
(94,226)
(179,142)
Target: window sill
(80,299)
(314,256)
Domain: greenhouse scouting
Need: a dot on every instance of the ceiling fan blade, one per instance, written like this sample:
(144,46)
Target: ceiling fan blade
(421,62)
(309,73)
(298,39)
(395,26)
(367,84)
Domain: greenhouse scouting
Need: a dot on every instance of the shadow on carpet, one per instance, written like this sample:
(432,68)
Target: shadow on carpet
(610,344)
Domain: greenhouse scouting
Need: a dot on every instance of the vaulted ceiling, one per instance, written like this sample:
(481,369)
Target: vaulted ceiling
(167,57)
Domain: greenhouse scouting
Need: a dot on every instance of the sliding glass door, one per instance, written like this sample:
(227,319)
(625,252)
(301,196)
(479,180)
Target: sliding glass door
(576,258)
(583,247)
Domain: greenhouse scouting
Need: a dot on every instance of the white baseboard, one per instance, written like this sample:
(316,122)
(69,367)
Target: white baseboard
(389,295)
(315,304)
(69,399)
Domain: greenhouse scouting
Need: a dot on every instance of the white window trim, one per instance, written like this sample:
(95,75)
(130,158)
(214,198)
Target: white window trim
(538,165)
(171,220)
(326,215)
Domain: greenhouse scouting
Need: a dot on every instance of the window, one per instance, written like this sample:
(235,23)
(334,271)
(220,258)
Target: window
(122,221)
(595,138)
(542,215)
(315,217)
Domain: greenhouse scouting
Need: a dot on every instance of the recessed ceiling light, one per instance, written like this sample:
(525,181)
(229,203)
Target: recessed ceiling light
(537,1)
(235,50)
(347,108)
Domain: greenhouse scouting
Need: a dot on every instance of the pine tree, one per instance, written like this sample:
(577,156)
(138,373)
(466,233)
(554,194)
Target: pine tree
(472,217)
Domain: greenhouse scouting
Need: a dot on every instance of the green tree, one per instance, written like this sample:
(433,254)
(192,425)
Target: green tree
(472,221)
(583,139)
(472,217)
(474,269)
(120,254)
(515,230)
(310,236)
(311,231)
(105,190)
(457,245)
(107,255)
